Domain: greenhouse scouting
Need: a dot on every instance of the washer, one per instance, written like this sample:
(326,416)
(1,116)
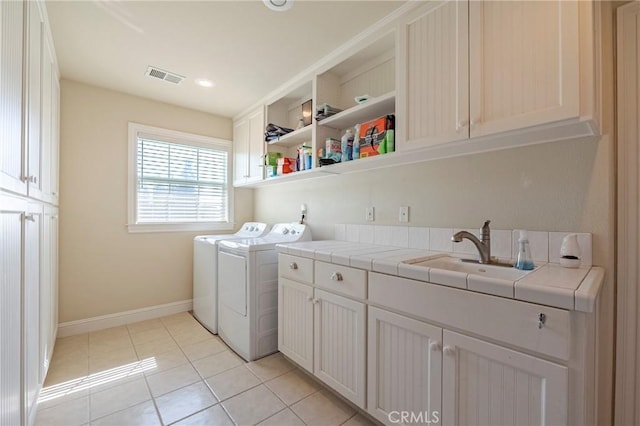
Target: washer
(205,272)
(248,290)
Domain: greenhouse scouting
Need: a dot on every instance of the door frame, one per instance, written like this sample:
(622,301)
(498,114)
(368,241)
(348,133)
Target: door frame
(627,389)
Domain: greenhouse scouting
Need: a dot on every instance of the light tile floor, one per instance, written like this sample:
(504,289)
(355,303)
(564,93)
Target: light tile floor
(171,370)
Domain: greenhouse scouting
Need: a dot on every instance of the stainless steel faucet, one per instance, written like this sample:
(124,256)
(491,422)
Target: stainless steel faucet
(484,246)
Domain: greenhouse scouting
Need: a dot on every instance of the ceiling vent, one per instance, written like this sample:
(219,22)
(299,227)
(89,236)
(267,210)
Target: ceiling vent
(164,75)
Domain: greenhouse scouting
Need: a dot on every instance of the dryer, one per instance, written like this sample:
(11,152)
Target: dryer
(205,272)
(248,290)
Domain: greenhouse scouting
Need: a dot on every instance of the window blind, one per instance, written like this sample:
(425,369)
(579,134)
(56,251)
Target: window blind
(179,183)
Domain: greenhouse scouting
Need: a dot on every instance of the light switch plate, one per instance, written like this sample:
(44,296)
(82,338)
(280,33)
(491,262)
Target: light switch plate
(403,216)
(370,214)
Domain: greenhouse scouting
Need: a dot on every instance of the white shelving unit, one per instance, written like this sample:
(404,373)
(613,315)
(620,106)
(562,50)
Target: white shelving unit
(372,109)
(295,138)
(431,77)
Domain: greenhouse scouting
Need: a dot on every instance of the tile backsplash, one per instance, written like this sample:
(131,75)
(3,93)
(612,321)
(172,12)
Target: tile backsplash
(545,246)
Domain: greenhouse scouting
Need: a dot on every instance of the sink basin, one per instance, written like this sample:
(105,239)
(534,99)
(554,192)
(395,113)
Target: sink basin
(456,264)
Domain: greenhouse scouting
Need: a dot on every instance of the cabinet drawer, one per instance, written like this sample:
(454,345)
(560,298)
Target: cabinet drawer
(295,268)
(341,279)
(506,320)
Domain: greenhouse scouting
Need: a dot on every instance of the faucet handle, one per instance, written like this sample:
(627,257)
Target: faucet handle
(486,223)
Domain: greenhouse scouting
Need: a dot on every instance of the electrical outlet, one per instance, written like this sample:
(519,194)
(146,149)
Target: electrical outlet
(404,214)
(370,214)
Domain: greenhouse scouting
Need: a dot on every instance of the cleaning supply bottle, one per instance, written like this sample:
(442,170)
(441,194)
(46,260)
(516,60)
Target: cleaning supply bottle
(356,142)
(347,145)
(524,261)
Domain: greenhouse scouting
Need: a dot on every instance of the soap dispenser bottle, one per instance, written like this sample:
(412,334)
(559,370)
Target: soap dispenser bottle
(524,261)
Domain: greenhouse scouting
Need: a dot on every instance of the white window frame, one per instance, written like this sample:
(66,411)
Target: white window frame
(137,130)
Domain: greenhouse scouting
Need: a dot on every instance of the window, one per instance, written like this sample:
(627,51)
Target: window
(178,181)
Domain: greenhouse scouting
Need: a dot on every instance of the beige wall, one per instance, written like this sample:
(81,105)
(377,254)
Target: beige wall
(103,268)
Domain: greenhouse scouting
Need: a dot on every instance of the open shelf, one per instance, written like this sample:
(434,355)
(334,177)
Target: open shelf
(297,137)
(569,129)
(370,110)
(295,176)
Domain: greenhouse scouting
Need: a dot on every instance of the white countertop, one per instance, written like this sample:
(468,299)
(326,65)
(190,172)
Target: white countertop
(549,284)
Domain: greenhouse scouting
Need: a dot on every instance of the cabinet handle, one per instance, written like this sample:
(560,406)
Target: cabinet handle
(30,179)
(474,122)
(542,320)
(316,301)
(29,217)
(461,125)
(435,346)
(246,176)
(309,299)
(336,276)
(293,266)
(449,350)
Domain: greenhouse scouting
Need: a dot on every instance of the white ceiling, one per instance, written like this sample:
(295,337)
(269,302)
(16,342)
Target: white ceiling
(245,48)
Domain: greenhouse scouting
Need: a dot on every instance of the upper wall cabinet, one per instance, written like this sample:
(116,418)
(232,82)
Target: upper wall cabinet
(523,64)
(433,77)
(50,118)
(480,68)
(29,120)
(462,77)
(12,150)
(248,148)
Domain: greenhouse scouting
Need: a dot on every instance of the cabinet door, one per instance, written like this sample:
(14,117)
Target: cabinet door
(31,306)
(295,322)
(256,145)
(240,151)
(12,148)
(339,345)
(48,288)
(433,75)
(523,64)
(11,218)
(405,367)
(486,384)
(37,92)
(54,161)
(48,122)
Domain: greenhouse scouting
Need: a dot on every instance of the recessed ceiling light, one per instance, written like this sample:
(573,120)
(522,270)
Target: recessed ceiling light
(278,5)
(204,82)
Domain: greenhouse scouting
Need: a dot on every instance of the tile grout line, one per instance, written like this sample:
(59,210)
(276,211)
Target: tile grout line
(153,401)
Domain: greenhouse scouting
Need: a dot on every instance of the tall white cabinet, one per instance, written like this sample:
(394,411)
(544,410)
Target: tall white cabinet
(248,147)
(29,128)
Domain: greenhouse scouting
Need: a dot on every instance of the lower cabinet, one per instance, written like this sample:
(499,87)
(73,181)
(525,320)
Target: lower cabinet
(405,367)
(339,356)
(325,334)
(28,303)
(374,340)
(11,248)
(419,373)
(295,322)
(486,384)
(31,307)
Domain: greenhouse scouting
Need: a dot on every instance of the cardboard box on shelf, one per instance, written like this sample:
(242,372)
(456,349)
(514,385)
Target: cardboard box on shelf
(377,136)
(286,165)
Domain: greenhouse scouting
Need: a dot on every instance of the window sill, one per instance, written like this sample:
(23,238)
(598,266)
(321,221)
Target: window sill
(178,227)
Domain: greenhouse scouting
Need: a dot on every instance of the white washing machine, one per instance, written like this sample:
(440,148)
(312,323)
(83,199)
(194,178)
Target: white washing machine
(248,290)
(205,271)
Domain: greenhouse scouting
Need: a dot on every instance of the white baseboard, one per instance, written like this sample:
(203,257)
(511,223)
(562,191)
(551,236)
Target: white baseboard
(87,325)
